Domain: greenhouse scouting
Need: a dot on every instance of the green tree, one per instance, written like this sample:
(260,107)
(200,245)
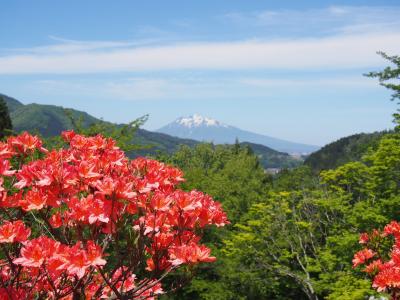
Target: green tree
(281,241)
(388,78)
(5,120)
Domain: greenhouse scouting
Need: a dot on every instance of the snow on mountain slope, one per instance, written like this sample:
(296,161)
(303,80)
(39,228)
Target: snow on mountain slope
(202,128)
(197,120)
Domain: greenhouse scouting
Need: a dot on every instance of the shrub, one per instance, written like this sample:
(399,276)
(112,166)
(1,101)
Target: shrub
(84,221)
(381,258)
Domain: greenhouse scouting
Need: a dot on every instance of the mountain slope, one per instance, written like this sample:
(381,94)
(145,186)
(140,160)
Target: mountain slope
(210,130)
(344,150)
(50,120)
(272,158)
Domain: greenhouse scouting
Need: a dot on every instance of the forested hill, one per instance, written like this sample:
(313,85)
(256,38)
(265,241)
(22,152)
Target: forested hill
(50,120)
(344,150)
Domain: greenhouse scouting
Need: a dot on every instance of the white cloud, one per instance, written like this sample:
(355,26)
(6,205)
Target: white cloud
(337,52)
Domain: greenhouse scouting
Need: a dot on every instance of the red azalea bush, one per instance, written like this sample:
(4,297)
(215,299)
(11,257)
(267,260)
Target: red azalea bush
(381,258)
(85,222)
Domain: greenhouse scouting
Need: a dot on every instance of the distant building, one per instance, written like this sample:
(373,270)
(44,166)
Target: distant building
(272,171)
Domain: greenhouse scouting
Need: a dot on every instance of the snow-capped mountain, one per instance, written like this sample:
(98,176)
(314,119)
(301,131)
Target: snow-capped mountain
(206,129)
(197,120)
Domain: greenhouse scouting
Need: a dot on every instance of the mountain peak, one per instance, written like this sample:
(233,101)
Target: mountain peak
(197,120)
(205,129)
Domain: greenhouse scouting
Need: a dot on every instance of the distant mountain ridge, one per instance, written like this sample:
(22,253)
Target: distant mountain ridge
(206,129)
(50,120)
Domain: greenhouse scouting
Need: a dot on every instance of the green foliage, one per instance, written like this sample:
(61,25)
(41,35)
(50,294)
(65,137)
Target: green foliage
(298,179)
(5,120)
(385,167)
(282,240)
(345,286)
(377,175)
(348,179)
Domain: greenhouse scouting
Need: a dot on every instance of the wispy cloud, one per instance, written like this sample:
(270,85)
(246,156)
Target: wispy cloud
(199,88)
(137,88)
(63,46)
(146,89)
(327,82)
(333,19)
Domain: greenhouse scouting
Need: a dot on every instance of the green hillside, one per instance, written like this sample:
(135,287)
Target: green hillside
(50,120)
(342,151)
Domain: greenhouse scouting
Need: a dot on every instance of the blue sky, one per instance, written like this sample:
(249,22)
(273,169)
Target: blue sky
(289,69)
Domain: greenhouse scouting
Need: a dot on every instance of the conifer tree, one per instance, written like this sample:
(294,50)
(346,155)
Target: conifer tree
(5,120)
